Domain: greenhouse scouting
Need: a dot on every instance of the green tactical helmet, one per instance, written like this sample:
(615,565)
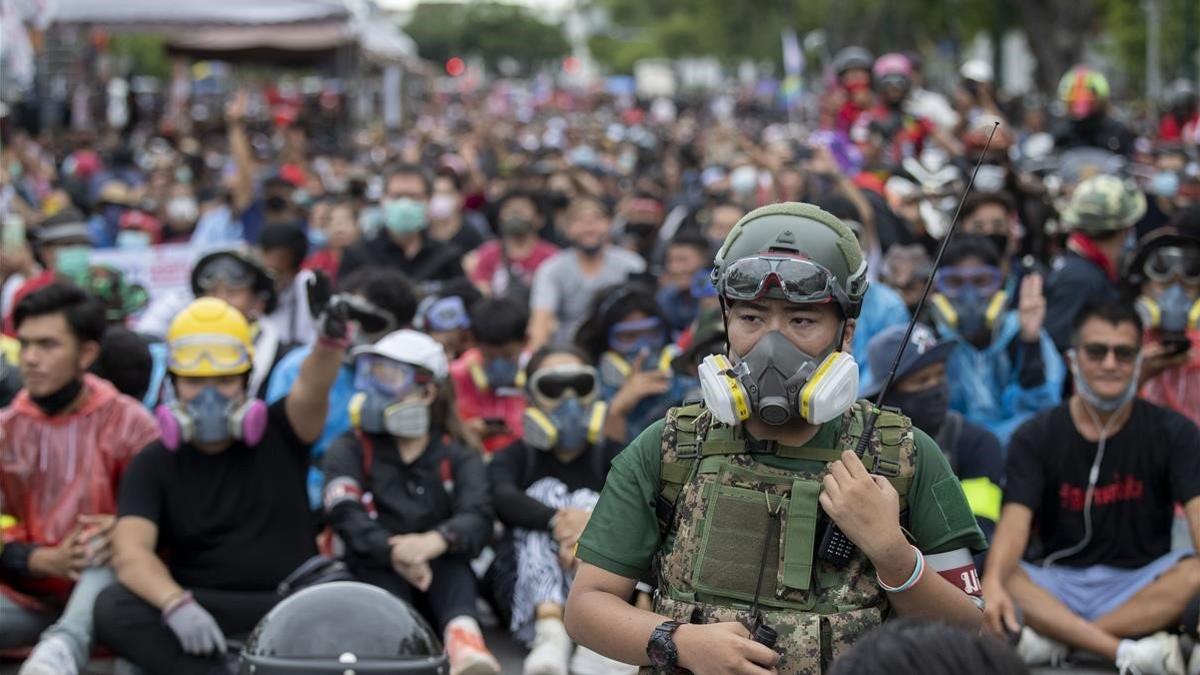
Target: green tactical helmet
(804,230)
(1103,204)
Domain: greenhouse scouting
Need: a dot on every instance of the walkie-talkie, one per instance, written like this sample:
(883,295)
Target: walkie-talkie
(836,548)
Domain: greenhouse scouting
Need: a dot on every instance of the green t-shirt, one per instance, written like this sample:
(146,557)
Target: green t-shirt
(622,534)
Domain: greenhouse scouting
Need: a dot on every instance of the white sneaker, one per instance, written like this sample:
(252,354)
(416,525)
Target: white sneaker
(1158,654)
(551,649)
(51,656)
(588,662)
(1037,650)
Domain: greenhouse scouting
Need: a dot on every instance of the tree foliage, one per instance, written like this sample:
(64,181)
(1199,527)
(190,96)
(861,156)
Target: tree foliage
(489,30)
(1058,30)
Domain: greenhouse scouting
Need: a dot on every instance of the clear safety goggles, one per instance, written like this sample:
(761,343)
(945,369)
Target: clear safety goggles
(629,334)
(1169,262)
(952,281)
(392,379)
(222,352)
(792,279)
(225,271)
(551,385)
(446,314)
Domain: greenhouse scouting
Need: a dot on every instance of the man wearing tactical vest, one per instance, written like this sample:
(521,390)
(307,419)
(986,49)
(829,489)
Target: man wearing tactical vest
(722,504)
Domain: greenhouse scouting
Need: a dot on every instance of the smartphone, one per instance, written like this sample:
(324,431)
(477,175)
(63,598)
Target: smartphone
(12,236)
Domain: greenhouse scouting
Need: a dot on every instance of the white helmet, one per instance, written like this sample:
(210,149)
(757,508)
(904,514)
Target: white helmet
(411,347)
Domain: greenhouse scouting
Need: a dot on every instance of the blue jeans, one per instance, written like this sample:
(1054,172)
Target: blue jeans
(21,627)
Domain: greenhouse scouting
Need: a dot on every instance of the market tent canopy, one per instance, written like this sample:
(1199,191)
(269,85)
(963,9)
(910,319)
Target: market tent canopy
(264,30)
(116,13)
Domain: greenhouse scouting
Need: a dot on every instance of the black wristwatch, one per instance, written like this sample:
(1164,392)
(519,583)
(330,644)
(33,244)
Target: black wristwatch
(661,648)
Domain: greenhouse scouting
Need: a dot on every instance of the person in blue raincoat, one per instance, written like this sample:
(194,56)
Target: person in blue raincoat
(882,308)
(1005,367)
(627,338)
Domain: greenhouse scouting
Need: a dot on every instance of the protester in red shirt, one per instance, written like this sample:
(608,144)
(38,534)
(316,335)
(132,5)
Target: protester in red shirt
(488,377)
(504,267)
(341,232)
(64,443)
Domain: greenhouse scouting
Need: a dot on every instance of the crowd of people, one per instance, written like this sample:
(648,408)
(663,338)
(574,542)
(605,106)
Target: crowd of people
(420,355)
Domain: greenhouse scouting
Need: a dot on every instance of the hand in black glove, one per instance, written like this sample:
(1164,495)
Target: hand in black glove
(331,312)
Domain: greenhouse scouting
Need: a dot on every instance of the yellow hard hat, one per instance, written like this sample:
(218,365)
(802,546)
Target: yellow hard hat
(209,338)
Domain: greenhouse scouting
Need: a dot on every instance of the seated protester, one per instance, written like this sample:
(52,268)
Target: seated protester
(994,215)
(404,243)
(64,443)
(125,361)
(1005,367)
(445,316)
(411,506)
(921,391)
(1099,474)
(1101,212)
(504,267)
(222,494)
(241,279)
(487,378)
(341,232)
(382,301)
(566,285)
(283,247)
(545,487)
(1164,273)
(686,255)
(448,222)
(626,335)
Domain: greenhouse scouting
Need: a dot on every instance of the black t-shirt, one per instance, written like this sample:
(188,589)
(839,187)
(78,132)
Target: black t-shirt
(236,520)
(516,467)
(1152,462)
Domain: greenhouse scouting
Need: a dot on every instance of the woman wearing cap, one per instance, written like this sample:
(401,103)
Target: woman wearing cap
(411,506)
(545,486)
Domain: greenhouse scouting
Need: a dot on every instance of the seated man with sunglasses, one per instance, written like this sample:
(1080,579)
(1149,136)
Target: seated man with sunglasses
(1005,367)
(1099,474)
(381,300)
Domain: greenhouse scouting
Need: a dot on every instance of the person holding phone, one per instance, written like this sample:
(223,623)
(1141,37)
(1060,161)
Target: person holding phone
(1164,273)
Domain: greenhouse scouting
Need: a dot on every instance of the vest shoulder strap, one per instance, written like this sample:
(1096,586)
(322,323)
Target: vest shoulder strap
(680,441)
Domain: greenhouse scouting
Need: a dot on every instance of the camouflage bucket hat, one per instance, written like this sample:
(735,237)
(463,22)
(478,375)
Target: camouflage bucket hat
(1103,204)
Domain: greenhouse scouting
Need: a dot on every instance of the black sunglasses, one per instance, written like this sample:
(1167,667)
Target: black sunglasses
(1098,351)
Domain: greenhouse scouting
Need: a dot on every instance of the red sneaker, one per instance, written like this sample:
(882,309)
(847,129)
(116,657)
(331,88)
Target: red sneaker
(468,654)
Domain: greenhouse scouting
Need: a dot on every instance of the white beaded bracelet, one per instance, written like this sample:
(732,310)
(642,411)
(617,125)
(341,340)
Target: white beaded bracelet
(918,570)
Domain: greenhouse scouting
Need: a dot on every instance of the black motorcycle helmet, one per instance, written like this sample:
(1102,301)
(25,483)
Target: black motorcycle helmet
(342,628)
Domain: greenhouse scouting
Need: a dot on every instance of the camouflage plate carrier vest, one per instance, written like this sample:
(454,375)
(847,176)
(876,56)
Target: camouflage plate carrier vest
(713,498)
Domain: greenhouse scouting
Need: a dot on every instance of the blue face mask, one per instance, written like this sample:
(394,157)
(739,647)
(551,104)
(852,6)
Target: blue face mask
(210,417)
(500,373)
(133,239)
(1164,184)
(571,419)
(404,216)
(318,238)
(1175,305)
